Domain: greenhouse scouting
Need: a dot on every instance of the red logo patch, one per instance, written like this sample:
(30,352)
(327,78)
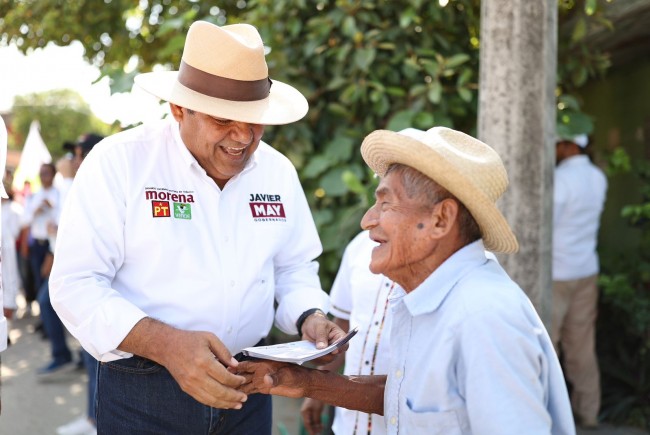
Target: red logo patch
(267,209)
(160,208)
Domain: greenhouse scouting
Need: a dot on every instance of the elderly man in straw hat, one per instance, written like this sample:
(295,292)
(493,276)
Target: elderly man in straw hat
(178,236)
(469,355)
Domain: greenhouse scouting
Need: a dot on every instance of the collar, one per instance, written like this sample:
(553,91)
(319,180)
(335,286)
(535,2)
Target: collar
(189,159)
(186,155)
(429,295)
(574,160)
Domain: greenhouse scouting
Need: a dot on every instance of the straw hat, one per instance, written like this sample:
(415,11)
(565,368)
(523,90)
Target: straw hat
(223,73)
(465,166)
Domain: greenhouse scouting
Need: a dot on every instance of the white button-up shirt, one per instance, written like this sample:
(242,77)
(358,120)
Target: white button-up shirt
(469,355)
(578,201)
(48,215)
(361,297)
(146,232)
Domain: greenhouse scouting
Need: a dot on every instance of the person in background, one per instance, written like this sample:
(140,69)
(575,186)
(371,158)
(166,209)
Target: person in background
(41,211)
(4,336)
(11,218)
(30,292)
(580,189)
(82,147)
(469,353)
(359,298)
(177,239)
(42,215)
(84,424)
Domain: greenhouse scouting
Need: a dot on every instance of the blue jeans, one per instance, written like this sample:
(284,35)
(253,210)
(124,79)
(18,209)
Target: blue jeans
(37,252)
(138,396)
(91,365)
(53,326)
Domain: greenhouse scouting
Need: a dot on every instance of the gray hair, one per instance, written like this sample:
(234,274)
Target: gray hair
(417,185)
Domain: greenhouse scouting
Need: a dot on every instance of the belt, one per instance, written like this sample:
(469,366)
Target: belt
(41,242)
(241,357)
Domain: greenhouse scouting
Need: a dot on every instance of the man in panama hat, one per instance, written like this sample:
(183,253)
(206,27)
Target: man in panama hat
(177,238)
(469,355)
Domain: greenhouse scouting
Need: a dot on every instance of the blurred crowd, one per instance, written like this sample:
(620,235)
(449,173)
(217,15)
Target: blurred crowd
(30,219)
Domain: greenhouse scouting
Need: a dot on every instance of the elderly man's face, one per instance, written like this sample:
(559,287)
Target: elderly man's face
(401,226)
(221,146)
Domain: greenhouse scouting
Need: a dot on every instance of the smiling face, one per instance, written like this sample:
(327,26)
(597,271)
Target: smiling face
(402,225)
(222,147)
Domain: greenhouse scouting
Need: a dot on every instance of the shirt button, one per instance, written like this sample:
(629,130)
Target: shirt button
(229,329)
(367,362)
(376,323)
(232,283)
(226,238)
(393,420)
(398,374)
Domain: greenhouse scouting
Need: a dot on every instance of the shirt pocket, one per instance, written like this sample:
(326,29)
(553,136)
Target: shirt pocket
(434,422)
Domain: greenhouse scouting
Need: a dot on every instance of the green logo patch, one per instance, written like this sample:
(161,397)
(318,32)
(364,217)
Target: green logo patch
(182,211)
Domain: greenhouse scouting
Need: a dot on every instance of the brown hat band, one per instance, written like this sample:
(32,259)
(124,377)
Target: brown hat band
(222,87)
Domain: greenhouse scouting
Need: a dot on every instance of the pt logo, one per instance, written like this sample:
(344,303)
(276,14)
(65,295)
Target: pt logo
(182,211)
(160,208)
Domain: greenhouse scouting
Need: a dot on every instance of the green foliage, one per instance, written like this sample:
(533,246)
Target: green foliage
(624,319)
(578,61)
(364,65)
(62,114)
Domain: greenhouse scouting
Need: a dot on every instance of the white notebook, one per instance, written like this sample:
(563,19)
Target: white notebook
(296,352)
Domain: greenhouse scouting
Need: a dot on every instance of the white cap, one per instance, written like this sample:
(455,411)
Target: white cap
(581,140)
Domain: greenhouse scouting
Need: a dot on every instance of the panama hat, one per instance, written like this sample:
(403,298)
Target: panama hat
(223,73)
(469,169)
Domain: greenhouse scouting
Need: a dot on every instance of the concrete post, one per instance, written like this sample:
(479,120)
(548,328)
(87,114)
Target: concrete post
(518,62)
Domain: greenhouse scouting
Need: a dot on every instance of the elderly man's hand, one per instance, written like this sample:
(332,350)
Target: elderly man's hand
(318,329)
(273,377)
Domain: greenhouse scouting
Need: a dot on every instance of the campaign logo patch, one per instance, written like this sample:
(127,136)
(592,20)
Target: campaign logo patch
(182,211)
(266,208)
(160,208)
(162,197)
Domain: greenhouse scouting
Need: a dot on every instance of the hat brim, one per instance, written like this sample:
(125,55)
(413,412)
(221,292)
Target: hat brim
(284,105)
(383,148)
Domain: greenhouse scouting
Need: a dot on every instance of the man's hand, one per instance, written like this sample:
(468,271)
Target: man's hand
(273,377)
(311,411)
(197,361)
(318,329)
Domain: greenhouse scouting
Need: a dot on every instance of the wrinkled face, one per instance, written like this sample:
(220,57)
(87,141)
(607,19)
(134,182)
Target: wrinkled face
(401,226)
(221,146)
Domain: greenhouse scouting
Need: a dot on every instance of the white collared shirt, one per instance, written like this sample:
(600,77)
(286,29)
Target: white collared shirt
(578,200)
(469,355)
(361,297)
(39,222)
(146,232)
